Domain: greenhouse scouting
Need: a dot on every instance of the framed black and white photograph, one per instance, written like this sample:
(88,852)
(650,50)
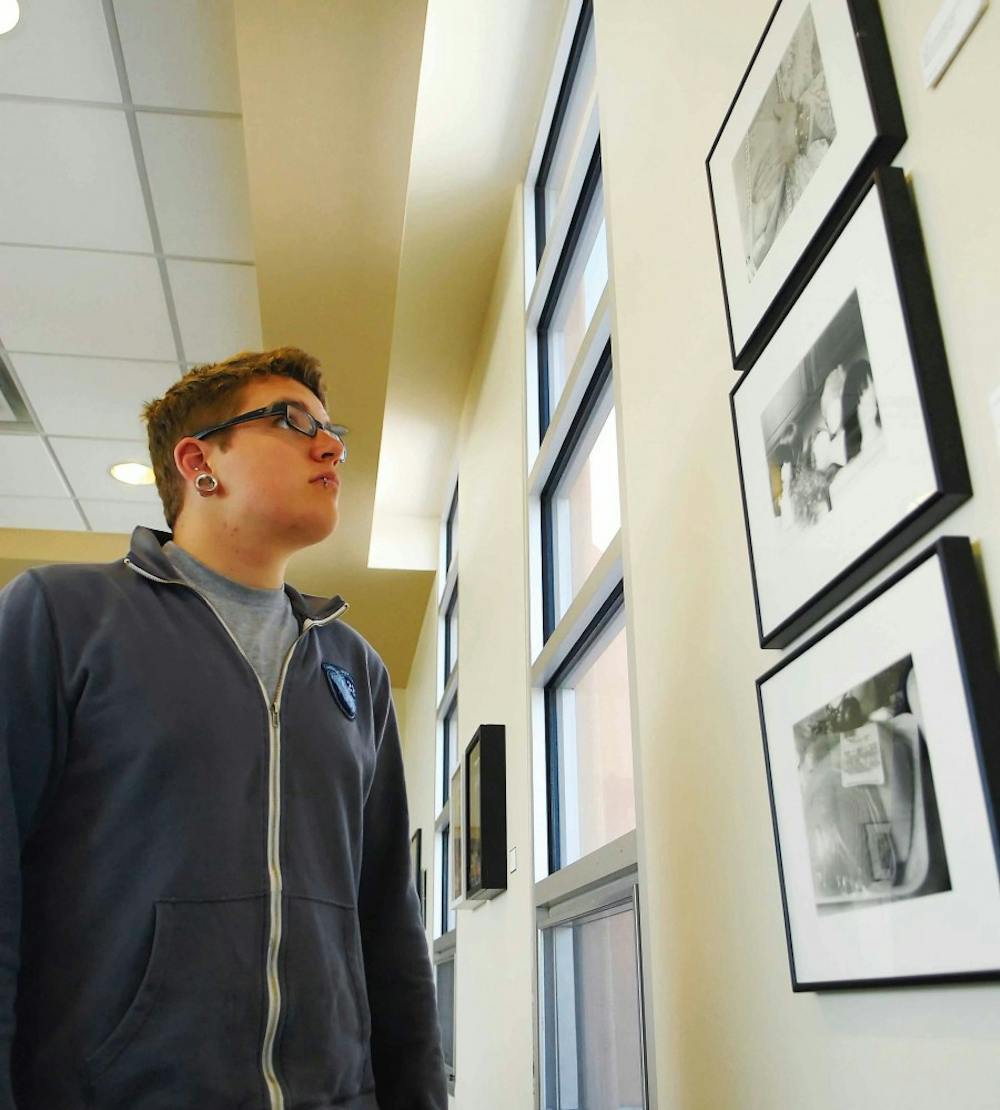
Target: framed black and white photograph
(816,111)
(884,779)
(457,838)
(847,435)
(486,813)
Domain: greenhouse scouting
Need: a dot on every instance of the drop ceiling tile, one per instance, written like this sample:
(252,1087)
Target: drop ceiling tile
(86,463)
(197,172)
(72,179)
(82,303)
(181,54)
(60,48)
(91,396)
(40,512)
(123,516)
(27,470)
(217,308)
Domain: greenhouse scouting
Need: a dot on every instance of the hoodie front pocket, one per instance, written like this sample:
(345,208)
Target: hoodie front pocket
(191,1034)
(324,1054)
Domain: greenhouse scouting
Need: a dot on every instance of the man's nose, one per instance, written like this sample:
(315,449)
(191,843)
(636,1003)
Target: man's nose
(327,445)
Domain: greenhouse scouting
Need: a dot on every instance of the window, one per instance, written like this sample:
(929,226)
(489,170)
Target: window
(450,747)
(593,1050)
(569,120)
(589,742)
(580,278)
(445,972)
(447,761)
(451,531)
(451,634)
(582,720)
(581,512)
(590,1026)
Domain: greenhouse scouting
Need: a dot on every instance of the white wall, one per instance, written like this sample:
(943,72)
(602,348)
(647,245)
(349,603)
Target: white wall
(729,1033)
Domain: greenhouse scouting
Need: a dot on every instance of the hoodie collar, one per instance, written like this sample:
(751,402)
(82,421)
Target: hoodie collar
(146,552)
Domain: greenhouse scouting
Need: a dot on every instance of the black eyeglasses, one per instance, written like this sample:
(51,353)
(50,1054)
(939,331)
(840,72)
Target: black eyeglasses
(296,417)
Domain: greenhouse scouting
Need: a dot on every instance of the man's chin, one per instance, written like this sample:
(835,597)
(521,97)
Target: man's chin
(316,530)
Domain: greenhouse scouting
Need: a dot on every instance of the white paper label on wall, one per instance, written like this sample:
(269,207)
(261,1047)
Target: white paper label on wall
(951,27)
(995,412)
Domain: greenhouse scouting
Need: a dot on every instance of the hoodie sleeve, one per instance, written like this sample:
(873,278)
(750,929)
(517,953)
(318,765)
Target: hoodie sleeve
(32,738)
(406,1040)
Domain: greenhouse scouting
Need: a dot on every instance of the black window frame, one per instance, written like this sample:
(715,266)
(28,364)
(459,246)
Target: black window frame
(449,531)
(449,662)
(609,611)
(599,382)
(449,715)
(592,182)
(583,25)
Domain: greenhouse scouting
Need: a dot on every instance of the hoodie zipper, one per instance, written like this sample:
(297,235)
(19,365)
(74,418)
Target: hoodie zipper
(275,1093)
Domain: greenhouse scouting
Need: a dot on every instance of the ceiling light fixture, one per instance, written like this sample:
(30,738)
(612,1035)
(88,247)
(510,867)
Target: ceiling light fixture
(10,13)
(133,473)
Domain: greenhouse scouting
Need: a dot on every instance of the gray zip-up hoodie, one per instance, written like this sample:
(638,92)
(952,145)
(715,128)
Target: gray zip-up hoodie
(205,900)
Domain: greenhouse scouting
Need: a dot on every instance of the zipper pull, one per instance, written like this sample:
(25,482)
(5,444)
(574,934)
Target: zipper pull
(274,715)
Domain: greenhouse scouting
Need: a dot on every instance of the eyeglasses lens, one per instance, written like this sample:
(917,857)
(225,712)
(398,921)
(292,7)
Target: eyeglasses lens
(301,420)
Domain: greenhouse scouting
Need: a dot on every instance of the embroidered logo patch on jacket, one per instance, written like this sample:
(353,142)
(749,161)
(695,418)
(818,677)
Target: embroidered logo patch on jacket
(345,693)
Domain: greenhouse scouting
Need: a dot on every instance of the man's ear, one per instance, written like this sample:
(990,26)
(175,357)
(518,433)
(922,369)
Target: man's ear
(190,458)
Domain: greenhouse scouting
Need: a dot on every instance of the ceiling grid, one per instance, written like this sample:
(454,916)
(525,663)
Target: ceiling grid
(92,322)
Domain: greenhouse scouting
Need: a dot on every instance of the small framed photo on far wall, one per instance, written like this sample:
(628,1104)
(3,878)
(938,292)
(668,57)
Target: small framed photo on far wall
(884,779)
(486,813)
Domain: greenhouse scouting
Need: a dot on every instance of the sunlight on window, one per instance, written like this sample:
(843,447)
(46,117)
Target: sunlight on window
(605,510)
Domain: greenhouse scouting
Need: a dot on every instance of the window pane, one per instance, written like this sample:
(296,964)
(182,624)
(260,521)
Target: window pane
(594,752)
(554,184)
(449,748)
(446,1010)
(585,507)
(593,1050)
(447,914)
(451,635)
(451,532)
(585,281)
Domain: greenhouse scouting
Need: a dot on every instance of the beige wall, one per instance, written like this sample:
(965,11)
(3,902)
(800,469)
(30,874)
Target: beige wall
(728,1031)
(494,1022)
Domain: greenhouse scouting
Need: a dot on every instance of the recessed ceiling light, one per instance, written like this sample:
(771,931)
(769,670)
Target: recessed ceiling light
(133,473)
(10,13)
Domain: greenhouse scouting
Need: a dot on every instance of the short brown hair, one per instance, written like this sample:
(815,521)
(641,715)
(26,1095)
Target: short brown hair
(208,395)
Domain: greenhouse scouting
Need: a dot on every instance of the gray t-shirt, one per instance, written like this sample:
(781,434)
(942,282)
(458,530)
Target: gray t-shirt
(262,621)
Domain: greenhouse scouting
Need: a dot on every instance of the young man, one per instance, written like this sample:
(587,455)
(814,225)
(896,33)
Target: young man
(205,892)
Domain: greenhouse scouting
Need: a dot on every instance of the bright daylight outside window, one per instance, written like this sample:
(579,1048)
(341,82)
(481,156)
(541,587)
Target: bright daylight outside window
(579,282)
(572,112)
(581,511)
(590,749)
(592,1053)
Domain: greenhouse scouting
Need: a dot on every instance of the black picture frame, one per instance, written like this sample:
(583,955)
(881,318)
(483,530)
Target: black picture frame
(752,172)
(486,813)
(799,572)
(914,665)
